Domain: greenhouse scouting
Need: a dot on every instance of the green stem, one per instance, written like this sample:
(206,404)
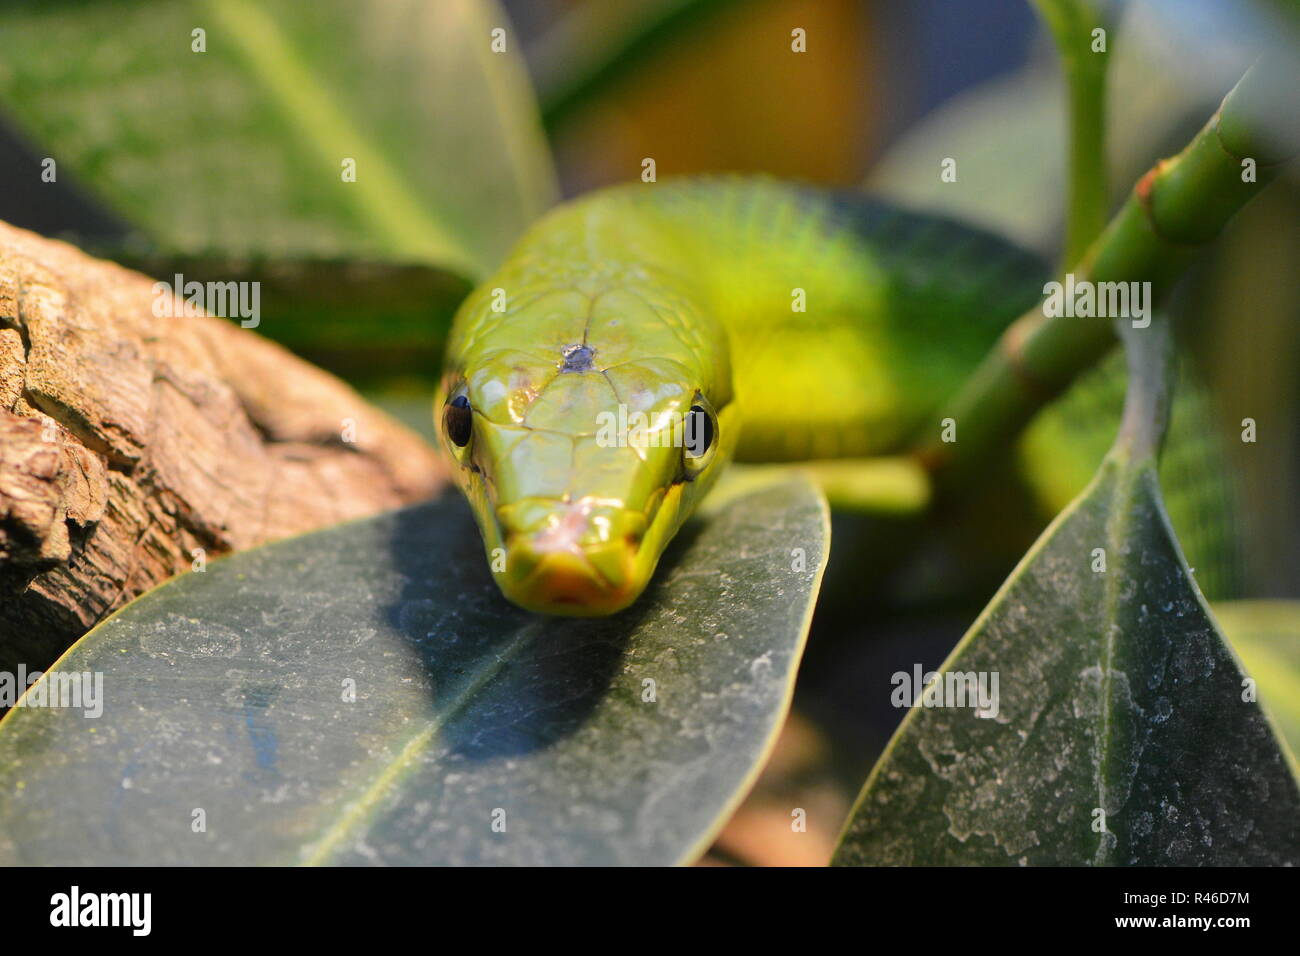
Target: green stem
(1149,395)
(1180,205)
(1072,23)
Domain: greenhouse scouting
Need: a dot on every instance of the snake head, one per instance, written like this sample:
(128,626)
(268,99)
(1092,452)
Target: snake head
(579,473)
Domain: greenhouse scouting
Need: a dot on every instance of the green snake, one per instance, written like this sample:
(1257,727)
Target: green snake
(730,317)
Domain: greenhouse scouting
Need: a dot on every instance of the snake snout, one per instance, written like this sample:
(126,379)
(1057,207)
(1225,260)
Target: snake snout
(570,557)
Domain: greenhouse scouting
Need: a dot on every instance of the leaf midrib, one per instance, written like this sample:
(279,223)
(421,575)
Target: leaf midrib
(359,810)
(378,194)
(1118,523)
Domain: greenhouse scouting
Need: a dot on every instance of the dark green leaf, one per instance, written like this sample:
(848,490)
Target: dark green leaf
(224,691)
(1118,701)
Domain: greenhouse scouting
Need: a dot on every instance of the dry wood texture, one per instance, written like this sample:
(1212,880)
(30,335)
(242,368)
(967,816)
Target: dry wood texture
(129,441)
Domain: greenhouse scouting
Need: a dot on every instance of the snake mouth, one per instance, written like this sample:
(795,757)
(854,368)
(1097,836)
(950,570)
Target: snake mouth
(582,558)
(572,583)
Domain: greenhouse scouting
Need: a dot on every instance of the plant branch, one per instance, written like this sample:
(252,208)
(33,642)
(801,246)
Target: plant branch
(1072,23)
(1175,209)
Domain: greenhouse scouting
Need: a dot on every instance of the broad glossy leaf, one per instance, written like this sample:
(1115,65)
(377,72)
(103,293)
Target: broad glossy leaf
(1121,735)
(240,148)
(226,691)
(1267,636)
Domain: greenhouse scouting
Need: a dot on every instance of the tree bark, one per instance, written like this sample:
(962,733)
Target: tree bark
(132,446)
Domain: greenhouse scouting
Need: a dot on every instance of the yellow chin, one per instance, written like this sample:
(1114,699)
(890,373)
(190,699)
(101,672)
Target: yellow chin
(582,581)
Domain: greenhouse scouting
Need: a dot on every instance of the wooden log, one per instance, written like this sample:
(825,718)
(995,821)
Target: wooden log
(132,445)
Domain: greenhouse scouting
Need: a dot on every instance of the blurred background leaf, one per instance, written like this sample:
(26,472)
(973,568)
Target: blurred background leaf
(591,47)
(712,86)
(240,148)
(1267,636)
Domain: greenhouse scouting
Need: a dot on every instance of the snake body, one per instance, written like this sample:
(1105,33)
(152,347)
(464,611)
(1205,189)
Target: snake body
(731,317)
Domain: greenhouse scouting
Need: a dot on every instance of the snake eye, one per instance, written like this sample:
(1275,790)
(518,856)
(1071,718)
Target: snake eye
(699,432)
(458,421)
(699,439)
